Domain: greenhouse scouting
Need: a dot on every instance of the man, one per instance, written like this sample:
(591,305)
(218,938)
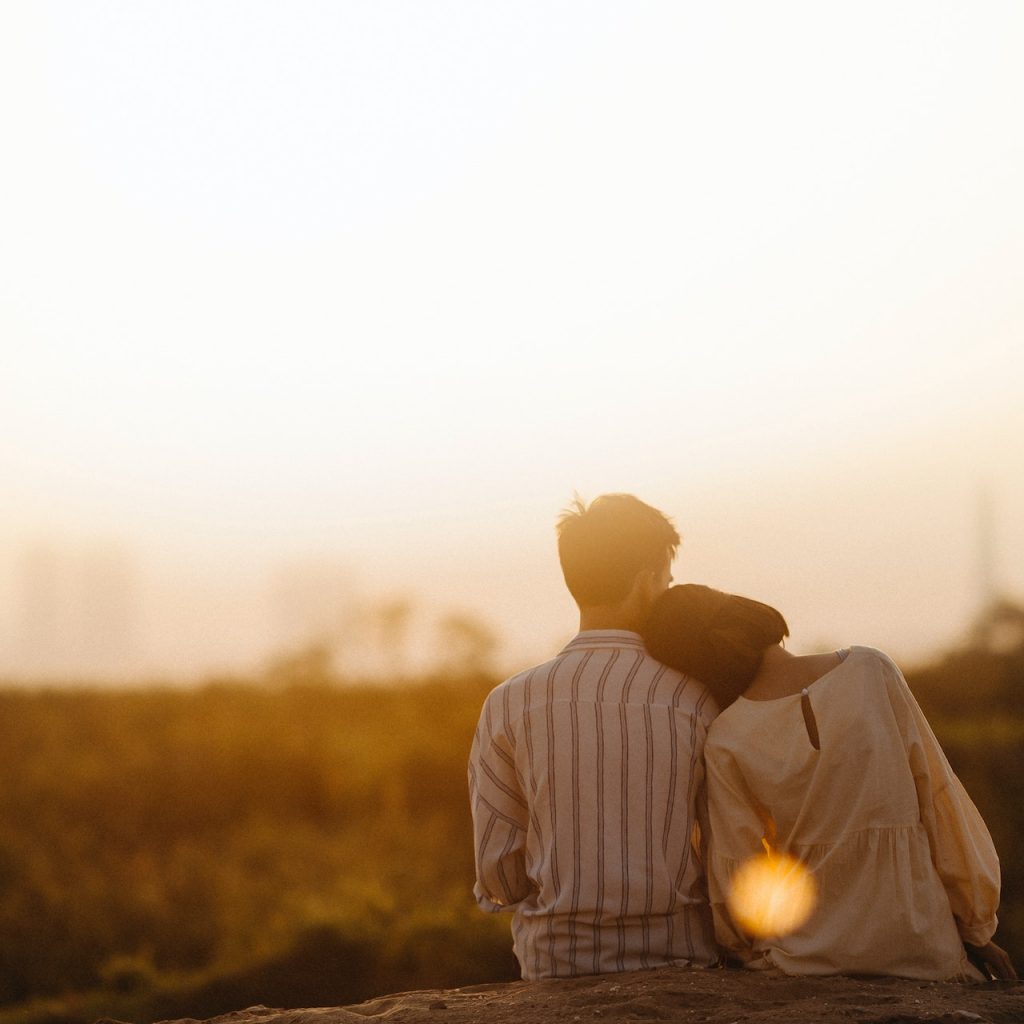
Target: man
(586,772)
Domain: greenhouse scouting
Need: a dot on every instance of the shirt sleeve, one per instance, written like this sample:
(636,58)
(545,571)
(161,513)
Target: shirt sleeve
(500,816)
(961,847)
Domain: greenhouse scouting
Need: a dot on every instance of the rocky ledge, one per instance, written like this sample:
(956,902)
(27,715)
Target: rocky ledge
(693,997)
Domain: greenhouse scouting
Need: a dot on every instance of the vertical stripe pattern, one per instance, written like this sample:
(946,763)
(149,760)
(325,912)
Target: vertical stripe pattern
(584,777)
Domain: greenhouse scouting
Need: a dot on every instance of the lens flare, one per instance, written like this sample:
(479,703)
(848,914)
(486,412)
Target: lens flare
(772,895)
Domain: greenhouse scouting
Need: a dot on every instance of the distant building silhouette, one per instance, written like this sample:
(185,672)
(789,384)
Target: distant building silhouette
(988,587)
(76,613)
(998,625)
(41,594)
(107,610)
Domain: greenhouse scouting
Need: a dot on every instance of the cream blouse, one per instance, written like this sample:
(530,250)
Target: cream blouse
(904,865)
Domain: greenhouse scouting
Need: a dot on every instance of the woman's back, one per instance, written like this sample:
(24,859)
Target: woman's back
(850,779)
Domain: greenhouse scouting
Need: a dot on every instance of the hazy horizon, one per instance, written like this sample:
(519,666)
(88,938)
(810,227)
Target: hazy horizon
(193,615)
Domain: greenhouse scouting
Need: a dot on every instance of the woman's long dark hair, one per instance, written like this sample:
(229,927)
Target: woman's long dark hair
(718,638)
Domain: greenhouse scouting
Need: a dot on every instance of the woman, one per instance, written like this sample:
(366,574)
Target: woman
(829,757)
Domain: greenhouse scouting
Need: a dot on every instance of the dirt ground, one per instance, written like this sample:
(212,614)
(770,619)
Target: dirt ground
(669,994)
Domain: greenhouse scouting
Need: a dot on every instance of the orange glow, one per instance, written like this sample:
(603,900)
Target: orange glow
(772,894)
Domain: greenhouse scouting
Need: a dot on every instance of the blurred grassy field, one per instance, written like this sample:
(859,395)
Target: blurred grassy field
(306,842)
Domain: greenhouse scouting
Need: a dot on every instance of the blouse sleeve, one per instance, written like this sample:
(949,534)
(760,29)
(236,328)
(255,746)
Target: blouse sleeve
(737,829)
(961,847)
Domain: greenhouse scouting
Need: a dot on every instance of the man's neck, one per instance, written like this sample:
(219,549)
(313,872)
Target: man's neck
(607,618)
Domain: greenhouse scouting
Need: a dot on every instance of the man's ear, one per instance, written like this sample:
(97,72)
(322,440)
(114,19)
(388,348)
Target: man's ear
(643,586)
(639,582)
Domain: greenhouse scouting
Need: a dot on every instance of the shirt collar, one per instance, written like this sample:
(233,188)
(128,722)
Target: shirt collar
(593,638)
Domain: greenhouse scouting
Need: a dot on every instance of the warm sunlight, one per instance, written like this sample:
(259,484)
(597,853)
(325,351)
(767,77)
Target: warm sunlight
(323,325)
(381,288)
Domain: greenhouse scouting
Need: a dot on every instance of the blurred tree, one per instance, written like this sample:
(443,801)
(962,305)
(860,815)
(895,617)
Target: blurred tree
(393,618)
(466,645)
(999,629)
(310,666)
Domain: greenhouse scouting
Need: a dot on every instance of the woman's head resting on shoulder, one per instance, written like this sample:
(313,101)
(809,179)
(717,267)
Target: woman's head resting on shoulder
(715,637)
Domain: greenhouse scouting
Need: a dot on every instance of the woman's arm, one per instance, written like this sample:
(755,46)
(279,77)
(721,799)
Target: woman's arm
(992,961)
(961,847)
(737,827)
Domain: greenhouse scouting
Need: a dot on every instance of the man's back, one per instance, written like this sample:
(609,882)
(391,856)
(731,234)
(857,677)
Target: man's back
(585,776)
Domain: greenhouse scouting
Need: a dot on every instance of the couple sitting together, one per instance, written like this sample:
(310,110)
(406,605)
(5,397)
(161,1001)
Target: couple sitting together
(617,789)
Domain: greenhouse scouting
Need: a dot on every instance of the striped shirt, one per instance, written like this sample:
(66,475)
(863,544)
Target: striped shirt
(585,778)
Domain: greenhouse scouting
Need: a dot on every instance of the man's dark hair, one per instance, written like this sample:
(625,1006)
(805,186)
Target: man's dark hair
(602,547)
(718,638)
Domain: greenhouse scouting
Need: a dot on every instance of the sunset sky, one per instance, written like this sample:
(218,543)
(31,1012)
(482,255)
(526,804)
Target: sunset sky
(366,290)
